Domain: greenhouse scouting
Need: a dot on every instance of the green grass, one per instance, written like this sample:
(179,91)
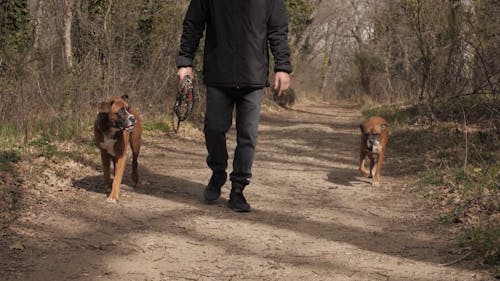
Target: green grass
(157,125)
(89,145)
(68,129)
(44,133)
(431,177)
(485,243)
(45,147)
(7,158)
(39,130)
(10,135)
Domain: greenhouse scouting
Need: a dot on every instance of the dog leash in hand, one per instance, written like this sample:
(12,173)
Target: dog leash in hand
(184,101)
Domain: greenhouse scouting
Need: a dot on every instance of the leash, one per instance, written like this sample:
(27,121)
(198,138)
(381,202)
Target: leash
(184,101)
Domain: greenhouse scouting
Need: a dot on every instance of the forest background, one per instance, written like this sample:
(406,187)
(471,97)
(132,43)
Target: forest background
(430,67)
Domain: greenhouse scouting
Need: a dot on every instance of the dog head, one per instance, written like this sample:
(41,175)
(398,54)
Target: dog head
(372,135)
(119,113)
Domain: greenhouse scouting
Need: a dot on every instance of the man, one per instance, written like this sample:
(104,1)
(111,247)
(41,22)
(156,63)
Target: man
(235,71)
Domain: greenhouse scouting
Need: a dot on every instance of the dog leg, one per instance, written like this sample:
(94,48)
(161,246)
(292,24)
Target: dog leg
(362,158)
(378,168)
(119,169)
(135,145)
(106,163)
(362,167)
(373,163)
(135,174)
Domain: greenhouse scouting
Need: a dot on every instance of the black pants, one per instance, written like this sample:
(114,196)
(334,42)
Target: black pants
(218,120)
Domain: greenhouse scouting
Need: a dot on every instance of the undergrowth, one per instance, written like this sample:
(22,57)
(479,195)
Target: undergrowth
(457,156)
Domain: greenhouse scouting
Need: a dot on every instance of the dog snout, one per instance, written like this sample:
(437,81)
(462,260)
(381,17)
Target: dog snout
(373,145)
(132,119)
(377,148)
(369,145)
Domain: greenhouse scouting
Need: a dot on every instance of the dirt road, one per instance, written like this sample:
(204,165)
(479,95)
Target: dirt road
(313,218)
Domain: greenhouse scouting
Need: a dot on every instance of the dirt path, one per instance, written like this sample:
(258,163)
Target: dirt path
(313,217)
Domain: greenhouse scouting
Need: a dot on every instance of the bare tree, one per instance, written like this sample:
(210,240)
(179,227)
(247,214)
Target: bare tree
(67,22)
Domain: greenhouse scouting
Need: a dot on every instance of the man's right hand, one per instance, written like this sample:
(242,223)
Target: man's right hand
(183,72)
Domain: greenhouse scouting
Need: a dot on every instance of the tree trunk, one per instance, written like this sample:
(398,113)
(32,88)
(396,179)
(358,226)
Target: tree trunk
(389,89)
(38,25)
(326,59)
(68,19)
(364,75)
(108,45)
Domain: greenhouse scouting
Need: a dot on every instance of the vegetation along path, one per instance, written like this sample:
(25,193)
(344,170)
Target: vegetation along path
(313,218)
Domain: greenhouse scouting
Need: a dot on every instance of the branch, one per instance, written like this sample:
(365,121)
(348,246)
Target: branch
(455,261)
(40,92)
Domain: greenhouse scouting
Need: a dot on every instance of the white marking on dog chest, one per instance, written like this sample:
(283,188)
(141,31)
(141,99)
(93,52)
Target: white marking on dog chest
(109,145)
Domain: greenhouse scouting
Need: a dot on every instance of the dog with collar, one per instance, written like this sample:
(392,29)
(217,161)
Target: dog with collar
(117,125)
(374,136)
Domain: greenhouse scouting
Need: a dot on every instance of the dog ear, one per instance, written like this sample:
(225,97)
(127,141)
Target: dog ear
(105,107)
(362,128)
(125,97)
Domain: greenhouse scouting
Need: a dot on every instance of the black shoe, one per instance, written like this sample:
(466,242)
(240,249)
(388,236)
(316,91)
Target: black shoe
(212,191)
(237,201)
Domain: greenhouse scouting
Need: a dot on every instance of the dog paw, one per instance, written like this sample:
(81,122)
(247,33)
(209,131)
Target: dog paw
(364,173)
(112,199)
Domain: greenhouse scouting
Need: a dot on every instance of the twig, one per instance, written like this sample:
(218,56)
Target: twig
(455,261)
(40,92)
(475,92)
(479,154)
(383,275)
(178,277)
(466,142)
(196,244)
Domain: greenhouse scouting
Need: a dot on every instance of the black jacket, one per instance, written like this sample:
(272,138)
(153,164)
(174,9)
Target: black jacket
(237,36)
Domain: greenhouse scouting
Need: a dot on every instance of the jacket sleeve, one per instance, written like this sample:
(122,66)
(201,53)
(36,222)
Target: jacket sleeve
(192,31)
(277,32)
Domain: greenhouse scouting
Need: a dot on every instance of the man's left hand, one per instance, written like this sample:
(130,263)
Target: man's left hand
(281,82)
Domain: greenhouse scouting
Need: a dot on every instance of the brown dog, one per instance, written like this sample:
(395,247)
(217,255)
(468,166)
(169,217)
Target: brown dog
(374,136)
(116,126)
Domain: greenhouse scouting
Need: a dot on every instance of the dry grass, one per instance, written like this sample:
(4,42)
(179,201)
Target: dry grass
(459,169)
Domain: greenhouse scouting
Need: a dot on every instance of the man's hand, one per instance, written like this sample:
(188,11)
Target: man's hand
(281,82)
(183,72)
